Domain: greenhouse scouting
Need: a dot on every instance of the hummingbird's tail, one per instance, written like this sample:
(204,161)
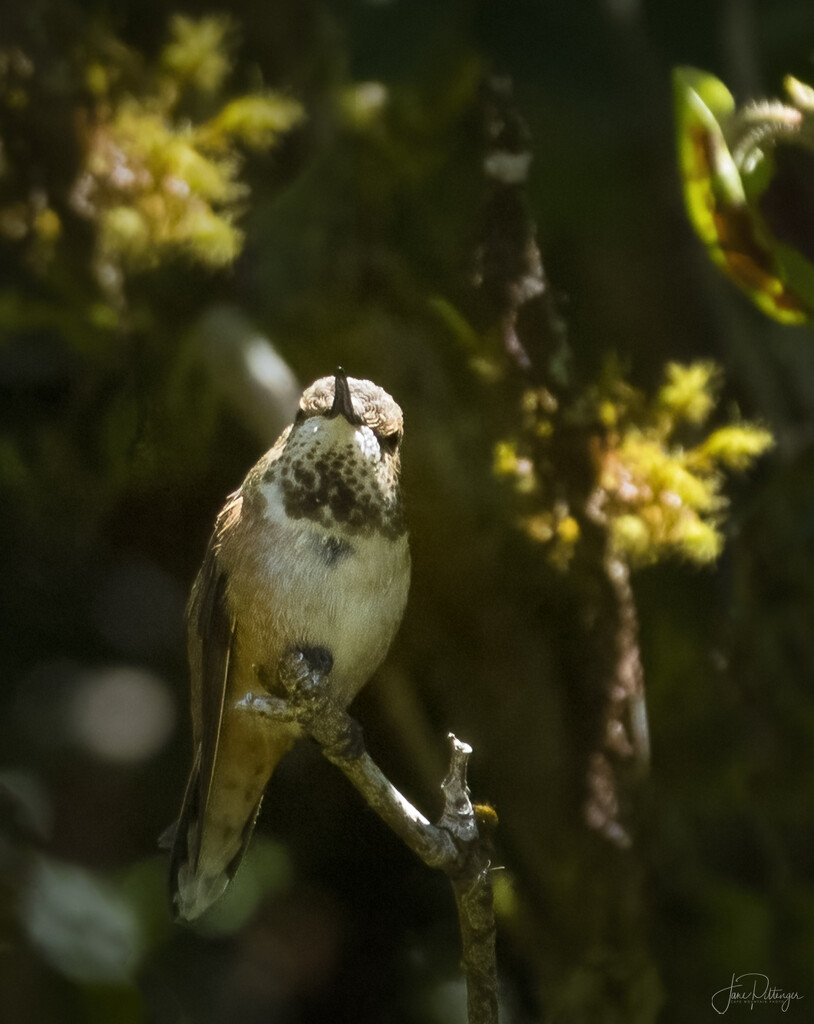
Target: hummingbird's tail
(214,829)
(195,885)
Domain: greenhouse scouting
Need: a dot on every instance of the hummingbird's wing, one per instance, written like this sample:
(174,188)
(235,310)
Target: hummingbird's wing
(211,641)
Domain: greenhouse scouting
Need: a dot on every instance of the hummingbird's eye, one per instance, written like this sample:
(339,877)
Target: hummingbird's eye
(390,442)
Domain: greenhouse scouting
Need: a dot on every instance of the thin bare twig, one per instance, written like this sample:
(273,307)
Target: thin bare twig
(454,845)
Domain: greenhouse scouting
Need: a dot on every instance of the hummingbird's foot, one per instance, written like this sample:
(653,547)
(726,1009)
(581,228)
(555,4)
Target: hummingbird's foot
(304,672)
(304,675)
(319,659)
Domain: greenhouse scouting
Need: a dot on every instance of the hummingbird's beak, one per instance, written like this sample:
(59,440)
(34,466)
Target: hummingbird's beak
(343,403)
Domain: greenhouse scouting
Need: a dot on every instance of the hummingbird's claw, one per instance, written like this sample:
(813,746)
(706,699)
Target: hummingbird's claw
(320,660)
(305,670)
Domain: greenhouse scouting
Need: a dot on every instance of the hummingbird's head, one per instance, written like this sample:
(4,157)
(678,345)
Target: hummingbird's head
(340,462)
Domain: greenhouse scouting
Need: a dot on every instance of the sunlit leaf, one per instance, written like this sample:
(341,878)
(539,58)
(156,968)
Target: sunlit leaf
(717,201)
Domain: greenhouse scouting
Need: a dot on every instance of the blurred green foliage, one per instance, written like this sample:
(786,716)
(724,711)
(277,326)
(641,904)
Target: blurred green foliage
(307,176)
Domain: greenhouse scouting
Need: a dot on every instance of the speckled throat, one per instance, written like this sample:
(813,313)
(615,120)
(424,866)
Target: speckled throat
(337,486)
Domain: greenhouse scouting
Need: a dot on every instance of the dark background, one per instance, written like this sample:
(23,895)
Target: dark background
(117,450)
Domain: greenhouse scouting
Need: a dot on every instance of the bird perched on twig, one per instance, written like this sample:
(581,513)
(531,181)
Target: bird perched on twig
(309,557)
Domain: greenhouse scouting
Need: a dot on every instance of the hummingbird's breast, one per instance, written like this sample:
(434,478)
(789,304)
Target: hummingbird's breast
(316,582)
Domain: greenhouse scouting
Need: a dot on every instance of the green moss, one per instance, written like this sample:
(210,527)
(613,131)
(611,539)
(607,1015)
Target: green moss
(657,496)
(155,183)
(197,52)
(735,446)
(689,391)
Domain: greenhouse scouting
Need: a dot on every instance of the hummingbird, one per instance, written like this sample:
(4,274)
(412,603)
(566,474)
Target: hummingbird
(310,556)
